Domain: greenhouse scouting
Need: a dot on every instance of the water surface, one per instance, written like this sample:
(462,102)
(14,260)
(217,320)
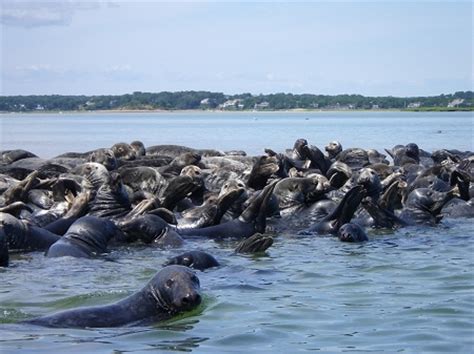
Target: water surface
(48,135)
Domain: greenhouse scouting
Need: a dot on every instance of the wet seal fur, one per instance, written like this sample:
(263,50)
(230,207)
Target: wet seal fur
(87,237)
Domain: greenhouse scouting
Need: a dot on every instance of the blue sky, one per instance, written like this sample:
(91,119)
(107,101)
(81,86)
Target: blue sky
(372,48)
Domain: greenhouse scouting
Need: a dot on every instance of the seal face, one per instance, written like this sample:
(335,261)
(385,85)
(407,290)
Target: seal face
(105,157)
(333,149)
(124,151)
(175,288)
(351,232)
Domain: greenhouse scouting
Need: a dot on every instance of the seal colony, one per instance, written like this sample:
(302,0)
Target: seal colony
(84,204)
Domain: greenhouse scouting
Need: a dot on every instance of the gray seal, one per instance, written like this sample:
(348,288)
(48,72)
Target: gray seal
(87,237)
(172,290)
(194,259)
(351,232)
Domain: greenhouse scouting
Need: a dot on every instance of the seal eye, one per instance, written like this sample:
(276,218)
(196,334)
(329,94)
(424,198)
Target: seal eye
(169,283)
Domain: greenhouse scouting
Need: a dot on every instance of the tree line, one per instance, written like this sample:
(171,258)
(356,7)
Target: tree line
(187,100)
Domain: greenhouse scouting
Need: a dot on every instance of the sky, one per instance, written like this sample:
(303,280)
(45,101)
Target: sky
(382,48)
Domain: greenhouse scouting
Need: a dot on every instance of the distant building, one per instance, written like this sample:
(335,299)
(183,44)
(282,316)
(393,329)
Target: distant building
(456,102)
(262,105)
(205,102)
(414,105)
(232,104)
(375,106)
(346,107)
(39,107)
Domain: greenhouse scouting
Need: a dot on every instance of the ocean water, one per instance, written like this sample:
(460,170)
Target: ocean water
(410,290)
(48,135)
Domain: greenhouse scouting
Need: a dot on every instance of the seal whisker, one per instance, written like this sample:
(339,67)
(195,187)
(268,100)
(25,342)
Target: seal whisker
(160,302)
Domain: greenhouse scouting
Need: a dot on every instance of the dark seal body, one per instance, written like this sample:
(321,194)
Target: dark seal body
(4,257)
(22,236)
(87,237)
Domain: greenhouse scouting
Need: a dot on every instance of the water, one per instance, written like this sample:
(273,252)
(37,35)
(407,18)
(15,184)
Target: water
(409,290)
(48,135)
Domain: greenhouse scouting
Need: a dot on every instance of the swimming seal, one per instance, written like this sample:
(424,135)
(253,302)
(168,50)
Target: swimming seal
(194,259)
(172,290)
(351,232)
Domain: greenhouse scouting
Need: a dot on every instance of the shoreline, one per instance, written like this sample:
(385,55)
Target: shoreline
(216,111)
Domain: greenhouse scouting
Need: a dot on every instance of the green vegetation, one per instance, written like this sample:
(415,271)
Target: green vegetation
(463,100)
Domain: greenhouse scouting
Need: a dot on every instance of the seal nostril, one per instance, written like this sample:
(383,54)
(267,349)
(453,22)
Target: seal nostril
(191,300)
(185,300)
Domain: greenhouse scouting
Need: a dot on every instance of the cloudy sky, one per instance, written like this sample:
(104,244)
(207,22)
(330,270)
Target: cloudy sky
(398,48)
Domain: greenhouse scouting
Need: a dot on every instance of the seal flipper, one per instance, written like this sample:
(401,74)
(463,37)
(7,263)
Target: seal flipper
(224,202)
(250,221)
(317,158)
(462,178)
(178,189)
(347,207)
(19,192)
(261,171)
(257,210)
(383,217)
(392,197)
(256,243)
(341,215)
(15,208)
